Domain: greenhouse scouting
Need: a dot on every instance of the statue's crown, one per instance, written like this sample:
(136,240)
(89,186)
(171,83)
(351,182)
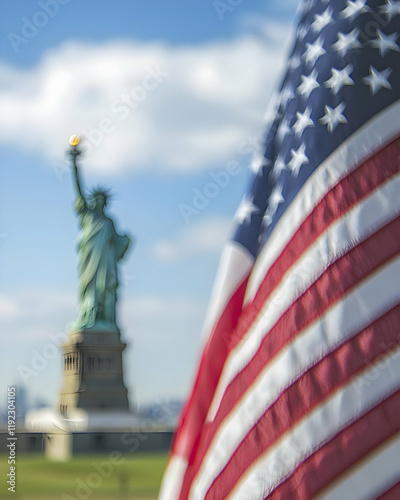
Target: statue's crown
(100,191)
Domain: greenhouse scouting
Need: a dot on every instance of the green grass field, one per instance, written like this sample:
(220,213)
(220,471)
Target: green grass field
(89,477)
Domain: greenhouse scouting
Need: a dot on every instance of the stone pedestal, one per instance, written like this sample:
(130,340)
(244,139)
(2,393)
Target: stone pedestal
(93,372)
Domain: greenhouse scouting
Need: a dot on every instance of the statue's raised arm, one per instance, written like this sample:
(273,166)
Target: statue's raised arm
(76,177)
(74,152)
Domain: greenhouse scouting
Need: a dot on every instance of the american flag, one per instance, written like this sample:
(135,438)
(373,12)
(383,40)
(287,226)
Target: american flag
(297,393)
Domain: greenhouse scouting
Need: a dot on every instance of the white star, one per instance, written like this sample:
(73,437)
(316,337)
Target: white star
(287,95)
(347,42)
(294,62)
(279,166)
(322,20)
(245,211)
(302,32)
(271,111)
(333,116)
(273,202)
(378,79)
(355,8)
(314,51)
(276,197)
(305,6)
(385,42)
(258,163)
(339,78)
(283,130)
(390,9)
(303,121)
(298,159)
(308,84)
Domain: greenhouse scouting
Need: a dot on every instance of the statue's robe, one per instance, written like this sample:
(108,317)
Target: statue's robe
(99,249)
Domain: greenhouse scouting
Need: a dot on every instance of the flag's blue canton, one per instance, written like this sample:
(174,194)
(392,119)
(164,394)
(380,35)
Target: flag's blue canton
(344,69)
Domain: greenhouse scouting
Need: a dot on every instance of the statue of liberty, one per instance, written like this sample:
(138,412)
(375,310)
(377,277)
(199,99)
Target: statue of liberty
(100,248)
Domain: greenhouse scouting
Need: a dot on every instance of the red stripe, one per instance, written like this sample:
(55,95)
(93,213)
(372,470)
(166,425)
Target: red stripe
(213,358)
(341,198)
(337,280)
(306,393)
(342,452)
(392,494)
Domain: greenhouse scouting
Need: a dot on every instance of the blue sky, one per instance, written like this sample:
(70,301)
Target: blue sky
(168,94)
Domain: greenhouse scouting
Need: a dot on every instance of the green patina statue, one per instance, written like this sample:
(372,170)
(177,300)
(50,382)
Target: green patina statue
(99,248)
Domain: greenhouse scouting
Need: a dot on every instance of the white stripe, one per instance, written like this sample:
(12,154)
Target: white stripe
(341,322)
(372,477)
(322,424)
(173,479)
(236,262)
(351,153)
(375,211)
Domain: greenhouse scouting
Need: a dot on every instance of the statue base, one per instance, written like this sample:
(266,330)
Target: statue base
(93,372)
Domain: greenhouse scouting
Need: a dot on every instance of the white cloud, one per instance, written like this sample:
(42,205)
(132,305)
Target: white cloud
(207,237)
(211,97)
(28,314)
(8,308)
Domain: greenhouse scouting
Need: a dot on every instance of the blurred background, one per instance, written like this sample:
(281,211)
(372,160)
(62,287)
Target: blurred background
(170,99)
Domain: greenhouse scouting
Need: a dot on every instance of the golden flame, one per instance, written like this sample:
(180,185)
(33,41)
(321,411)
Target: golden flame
(74,140)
